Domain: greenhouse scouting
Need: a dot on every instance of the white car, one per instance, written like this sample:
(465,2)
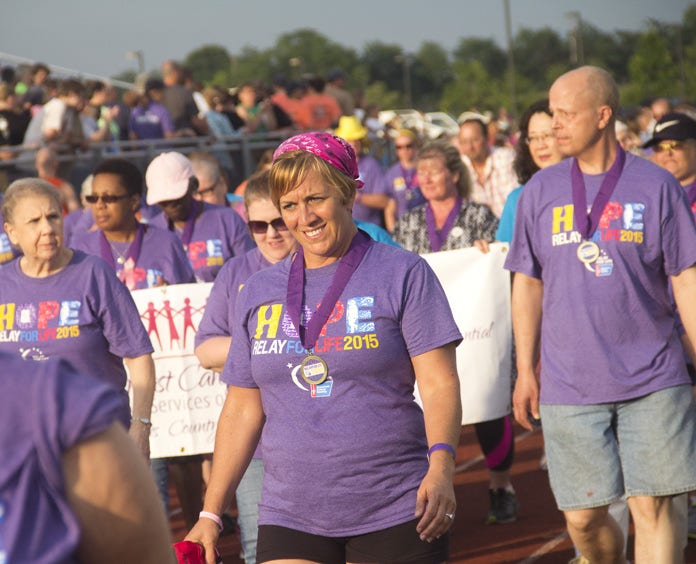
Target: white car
(431,124)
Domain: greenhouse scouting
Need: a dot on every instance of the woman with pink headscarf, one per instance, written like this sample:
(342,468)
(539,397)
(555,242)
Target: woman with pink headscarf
(327,346)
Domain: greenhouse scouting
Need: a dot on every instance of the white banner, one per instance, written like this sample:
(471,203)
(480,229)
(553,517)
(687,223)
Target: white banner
(188,398)
(478,290)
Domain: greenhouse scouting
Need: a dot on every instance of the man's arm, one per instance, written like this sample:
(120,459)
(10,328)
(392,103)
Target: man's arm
(527,294)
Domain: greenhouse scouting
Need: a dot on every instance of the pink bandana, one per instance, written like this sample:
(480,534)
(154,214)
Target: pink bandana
(334,150)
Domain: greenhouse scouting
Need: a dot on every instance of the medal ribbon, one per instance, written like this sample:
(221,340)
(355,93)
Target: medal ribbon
(438,238)
(408,175)
(587,224)
(190,222)
(133,250)
(346,267)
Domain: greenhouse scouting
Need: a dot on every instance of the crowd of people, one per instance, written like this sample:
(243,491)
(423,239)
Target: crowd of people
(599,220)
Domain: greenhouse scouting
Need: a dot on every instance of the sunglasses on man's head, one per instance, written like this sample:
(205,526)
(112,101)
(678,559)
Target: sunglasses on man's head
(261,227)
(106,198)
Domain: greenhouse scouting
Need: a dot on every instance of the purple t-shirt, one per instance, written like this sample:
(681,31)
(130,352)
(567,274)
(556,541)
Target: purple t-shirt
(608,330)
(161,261)
(344,457)
(81,313)
(46,411)
(218,234)
(402,184)
(7,251)
(371,174)
(152,122)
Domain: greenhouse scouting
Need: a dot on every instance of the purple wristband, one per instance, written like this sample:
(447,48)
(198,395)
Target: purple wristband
(442,446)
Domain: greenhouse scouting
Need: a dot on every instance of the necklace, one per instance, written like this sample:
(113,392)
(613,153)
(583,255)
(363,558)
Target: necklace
(132,251)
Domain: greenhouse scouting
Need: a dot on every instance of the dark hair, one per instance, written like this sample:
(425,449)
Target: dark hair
(129,176)
(480,123)
(524,165)
(71,86)
(94,86)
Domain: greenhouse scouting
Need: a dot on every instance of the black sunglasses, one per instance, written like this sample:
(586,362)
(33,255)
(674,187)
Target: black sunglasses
(106,198)
(261,227)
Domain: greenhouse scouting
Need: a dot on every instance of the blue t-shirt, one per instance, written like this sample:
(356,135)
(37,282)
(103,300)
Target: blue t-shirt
(506,225)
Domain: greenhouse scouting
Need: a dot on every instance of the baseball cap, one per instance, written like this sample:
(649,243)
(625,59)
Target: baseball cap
(167,177)
(673,126)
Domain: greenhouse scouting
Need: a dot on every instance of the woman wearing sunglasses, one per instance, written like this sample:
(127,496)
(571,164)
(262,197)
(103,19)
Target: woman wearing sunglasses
(274,243)
(143,256)
(56,302)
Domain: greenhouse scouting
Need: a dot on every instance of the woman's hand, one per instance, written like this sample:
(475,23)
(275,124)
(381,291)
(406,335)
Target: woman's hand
(435,501)
(205,532)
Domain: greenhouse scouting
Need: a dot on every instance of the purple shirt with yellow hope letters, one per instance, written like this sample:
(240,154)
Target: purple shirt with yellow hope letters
(608,332)
(82,313)
(344,457)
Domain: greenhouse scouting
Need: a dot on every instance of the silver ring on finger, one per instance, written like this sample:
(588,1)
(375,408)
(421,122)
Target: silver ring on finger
(450,516)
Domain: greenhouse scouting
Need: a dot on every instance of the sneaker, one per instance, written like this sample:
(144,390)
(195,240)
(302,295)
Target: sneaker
(504,506)
(692,521)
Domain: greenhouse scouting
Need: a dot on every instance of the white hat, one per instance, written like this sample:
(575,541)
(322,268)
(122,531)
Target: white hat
(168,177)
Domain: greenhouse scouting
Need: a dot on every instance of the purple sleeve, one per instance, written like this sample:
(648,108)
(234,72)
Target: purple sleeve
(237,370)
(521,257)
(166,120)
(373,177)
(678,229)
(70,407)
(121,323)
(424,299)
(216,320)
(182,272)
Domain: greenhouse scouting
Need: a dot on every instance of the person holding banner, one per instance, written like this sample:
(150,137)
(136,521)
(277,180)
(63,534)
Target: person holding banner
(320,381)
(73,486)
(143,256)
(274,242)
(56,302)
(448,221)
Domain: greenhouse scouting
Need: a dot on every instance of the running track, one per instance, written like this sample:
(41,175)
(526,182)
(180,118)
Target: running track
(538,536)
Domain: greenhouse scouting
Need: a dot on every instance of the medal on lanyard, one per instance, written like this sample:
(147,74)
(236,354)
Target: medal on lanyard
(313,368)
(588,251)
(132,254)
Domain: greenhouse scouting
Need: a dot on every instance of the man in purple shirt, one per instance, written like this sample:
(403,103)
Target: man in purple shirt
(210,234)
(616,404)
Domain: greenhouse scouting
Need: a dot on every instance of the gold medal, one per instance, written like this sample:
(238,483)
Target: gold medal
(588,252)
(313,369)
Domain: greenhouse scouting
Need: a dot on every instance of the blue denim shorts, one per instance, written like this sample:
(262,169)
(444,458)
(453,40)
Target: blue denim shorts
(641,447)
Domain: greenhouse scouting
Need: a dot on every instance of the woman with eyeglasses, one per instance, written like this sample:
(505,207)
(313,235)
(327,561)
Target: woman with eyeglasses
(273,243)
(56,302)
(143,256)
(402,179)
(536,149)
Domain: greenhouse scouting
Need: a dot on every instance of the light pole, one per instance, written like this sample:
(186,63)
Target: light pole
(141,60)
(511,57)
(577,51)
(405,59)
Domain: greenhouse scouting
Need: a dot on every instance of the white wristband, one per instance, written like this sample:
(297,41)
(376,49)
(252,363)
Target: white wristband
(212,517)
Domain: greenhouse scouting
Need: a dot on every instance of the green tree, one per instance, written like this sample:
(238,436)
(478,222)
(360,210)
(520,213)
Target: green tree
(537,50)
(485,51)
(384,63)
(651,69)
(207,61)
(473,87)
(431,72)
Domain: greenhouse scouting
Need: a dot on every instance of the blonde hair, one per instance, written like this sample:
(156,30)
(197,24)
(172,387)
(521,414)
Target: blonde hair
(25,188)
(453,162)
(291,169)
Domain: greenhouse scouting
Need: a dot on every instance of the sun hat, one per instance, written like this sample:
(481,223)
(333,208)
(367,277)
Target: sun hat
(350,129)
(167,177)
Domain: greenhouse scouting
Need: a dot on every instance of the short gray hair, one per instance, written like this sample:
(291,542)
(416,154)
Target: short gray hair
(24,188)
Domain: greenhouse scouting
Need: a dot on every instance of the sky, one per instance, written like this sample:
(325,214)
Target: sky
(94,36)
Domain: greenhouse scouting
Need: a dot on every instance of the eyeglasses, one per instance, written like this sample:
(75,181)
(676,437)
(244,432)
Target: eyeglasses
(408,146)
(544,138)
(260,227)
(209,189)
(669,146)
(106,198)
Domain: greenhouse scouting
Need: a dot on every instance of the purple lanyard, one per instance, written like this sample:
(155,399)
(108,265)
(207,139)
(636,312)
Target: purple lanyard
(587,224)
(133,250)
(190,222)
(691,193)
(347,265)
(438,238)
(408,175)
